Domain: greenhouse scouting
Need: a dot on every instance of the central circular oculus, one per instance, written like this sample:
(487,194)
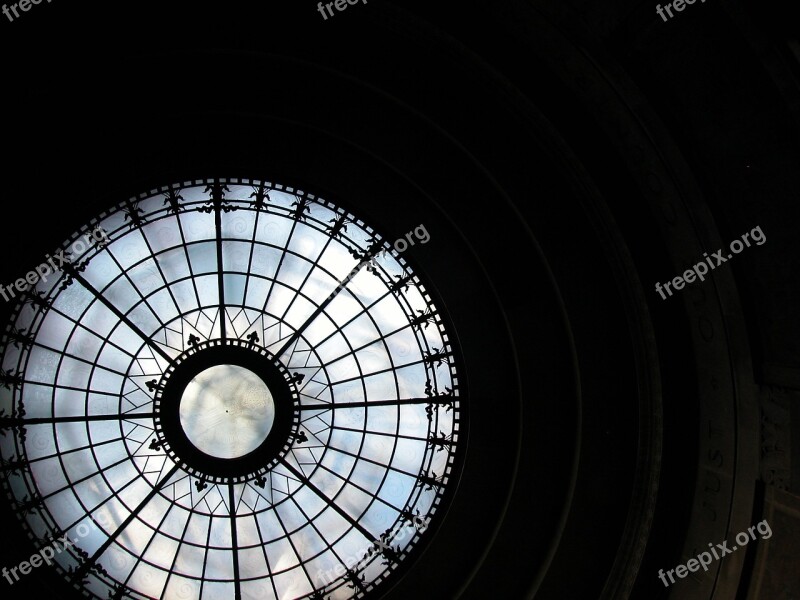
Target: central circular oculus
(227,411)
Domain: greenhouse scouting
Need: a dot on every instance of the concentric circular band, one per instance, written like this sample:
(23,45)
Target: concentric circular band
(167,399)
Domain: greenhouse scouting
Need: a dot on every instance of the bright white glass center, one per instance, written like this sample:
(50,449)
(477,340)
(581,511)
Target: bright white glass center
(227,411)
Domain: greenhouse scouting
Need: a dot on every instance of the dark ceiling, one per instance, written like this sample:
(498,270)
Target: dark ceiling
(566,156)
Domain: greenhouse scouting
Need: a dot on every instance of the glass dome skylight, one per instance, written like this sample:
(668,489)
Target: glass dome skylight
(236,395)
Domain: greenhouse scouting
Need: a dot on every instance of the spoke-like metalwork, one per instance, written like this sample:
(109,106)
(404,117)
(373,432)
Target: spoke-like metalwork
(376,403)
(89,563)
(342,513)
(262,535)
(203,580)
(185,251)
(371,380)
(73,419)
(158,268)
(174,560)
(282,259)
(123,318)
(234,543)
(261,195)
(140,558)
(321,308)
(217,197)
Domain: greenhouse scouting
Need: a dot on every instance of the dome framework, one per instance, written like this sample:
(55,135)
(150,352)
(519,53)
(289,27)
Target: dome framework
(368,404)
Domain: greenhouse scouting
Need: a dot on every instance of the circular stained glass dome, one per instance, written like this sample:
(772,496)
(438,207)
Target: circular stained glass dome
(230,389)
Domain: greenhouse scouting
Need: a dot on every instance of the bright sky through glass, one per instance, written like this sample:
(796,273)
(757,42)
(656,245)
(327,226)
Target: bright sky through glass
(379,399)
(227,411)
